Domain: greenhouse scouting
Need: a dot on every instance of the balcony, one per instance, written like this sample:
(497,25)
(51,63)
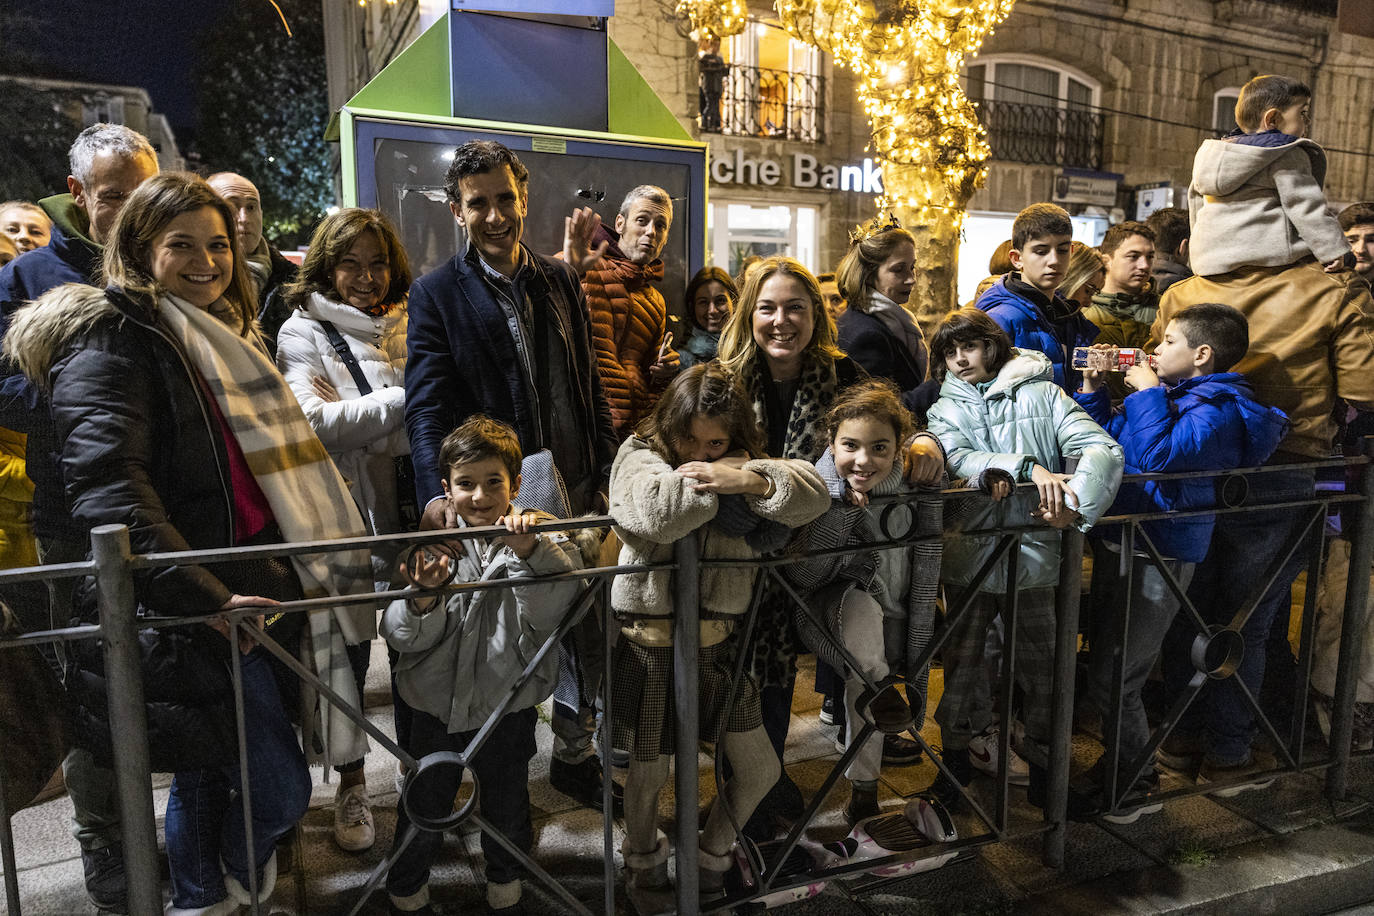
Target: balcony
(744,101)
(1043,134)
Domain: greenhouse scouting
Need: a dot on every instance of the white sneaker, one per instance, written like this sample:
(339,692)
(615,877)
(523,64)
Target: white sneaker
(239,895)
(982,753)
(353,829)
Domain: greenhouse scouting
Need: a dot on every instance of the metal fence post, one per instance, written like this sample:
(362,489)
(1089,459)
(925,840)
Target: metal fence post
(686,639)
(128,718)
(1066,601)
(1353,625)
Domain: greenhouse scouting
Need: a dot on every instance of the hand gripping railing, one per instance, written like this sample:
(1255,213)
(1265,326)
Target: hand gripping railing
(113,567)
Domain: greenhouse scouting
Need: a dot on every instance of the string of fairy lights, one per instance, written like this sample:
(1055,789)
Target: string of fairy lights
(907,56)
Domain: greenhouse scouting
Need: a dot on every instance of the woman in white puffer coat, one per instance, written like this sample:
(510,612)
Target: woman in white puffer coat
(343,352)
(354,278)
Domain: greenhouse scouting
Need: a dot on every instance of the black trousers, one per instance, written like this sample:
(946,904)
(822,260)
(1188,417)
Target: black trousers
(502,769)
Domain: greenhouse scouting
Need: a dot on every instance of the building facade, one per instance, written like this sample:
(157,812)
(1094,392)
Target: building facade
(1098,105)
(95,103)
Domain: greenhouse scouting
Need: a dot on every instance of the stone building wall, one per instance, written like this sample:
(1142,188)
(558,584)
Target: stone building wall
(1158,63)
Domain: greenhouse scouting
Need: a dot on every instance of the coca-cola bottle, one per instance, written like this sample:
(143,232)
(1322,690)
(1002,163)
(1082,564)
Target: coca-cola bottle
(1111,359)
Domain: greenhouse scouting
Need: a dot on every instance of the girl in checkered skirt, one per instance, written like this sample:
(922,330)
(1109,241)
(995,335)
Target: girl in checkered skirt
(878,604)
(695,468)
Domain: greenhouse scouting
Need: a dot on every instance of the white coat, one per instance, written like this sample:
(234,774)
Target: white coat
(363,433)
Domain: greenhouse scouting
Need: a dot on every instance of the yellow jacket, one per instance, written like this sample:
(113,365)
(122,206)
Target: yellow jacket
(16,495)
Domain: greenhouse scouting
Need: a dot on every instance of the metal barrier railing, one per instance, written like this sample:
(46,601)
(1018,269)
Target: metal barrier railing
(113,566)
(1216,646)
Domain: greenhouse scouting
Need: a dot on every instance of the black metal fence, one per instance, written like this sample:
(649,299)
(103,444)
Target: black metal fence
(1042,134)
(113,568)
(761,102)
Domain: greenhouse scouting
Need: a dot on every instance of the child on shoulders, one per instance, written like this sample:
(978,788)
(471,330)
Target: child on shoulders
(1256,197)
(460,654)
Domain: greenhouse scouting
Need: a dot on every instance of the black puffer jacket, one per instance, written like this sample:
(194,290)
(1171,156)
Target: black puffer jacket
(141,447)
(273,309)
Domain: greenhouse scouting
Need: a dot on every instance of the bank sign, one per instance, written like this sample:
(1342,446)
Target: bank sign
(802,170)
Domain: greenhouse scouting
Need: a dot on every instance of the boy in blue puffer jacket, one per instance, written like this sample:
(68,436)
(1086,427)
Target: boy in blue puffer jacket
(1202,418)
(1027,304)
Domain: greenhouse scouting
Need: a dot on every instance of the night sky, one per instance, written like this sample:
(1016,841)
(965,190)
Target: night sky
(147,43)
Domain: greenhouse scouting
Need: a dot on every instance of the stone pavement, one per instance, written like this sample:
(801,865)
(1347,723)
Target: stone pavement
(1284,850)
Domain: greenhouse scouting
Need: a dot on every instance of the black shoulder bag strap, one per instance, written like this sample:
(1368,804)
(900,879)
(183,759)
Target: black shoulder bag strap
(350,361)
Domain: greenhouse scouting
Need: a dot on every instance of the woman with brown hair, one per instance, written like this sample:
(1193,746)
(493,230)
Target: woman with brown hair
(343,352)
(174,422)
(711,296)
(876,277)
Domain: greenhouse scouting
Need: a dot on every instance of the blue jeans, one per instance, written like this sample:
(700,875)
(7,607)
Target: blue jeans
(1153,607)
(205,809)
(1243,548)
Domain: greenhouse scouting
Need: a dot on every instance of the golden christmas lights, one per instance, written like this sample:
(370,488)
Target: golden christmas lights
(907,56)
(713,18)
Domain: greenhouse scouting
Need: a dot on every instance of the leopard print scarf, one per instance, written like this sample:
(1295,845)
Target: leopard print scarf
(816,390)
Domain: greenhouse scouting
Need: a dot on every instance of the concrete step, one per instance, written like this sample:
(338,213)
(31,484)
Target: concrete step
(1316,870)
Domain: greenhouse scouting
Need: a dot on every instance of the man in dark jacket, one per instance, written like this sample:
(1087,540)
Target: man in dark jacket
(503,331)
(108,161)
(270,270)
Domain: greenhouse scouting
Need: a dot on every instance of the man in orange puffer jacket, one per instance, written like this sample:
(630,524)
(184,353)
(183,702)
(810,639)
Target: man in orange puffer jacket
(629,317)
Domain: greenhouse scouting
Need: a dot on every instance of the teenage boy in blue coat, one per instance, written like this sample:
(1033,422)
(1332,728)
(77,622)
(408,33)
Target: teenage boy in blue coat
(1026,302)
(1188,414)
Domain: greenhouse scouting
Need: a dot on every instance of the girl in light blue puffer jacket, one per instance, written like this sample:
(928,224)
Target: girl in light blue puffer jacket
(1004,421)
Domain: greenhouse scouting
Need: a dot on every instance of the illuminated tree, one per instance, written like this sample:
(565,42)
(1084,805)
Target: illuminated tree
(907,56)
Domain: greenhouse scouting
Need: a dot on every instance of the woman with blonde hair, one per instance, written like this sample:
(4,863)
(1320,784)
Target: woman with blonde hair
(174,422)
(1085,275)
(780,345)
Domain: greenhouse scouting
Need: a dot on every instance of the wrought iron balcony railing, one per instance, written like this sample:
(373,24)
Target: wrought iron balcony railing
(1043,134)
(761,102)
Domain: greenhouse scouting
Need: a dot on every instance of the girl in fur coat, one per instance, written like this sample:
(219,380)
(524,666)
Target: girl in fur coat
(695,469)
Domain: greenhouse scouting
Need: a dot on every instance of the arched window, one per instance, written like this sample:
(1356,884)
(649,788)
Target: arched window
(1037,111)
(1224,110)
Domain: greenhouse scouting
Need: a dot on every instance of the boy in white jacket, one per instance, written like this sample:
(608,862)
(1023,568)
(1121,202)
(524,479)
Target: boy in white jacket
(458,661)
(1256,196)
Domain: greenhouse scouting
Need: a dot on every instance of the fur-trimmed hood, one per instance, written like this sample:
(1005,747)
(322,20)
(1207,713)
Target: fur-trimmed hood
(42,330)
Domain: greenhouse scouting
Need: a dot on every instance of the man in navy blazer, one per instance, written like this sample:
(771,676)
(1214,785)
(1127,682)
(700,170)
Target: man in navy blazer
(503,331)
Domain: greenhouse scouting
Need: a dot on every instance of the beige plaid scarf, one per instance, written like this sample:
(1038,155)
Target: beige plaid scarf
(309,499)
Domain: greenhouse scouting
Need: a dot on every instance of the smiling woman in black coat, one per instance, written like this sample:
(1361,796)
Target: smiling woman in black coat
(152,439)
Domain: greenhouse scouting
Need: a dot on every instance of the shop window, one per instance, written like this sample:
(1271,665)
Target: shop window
(739,231)
(1036,111)
(762,83)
